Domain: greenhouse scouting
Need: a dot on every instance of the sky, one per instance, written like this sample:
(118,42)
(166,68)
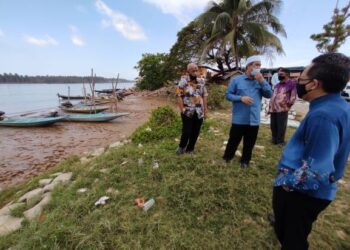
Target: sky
(69,37)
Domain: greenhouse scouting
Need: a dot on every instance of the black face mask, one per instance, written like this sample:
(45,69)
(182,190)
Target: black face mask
(301,90)
(281,78)
(193,78)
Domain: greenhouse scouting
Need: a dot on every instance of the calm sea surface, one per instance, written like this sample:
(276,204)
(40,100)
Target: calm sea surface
(18,98)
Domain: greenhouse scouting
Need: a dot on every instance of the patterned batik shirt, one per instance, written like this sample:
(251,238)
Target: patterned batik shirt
(283,98)
(192,94)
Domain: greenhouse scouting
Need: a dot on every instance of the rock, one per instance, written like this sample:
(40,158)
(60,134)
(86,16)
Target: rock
(116,144)
(259,147)
(148,129)
(9,224)
(6,210)
(35,211)
(56,174)
(238,153)
(123,163)
(31,195)
(140,161)
(104,170)
(140,145)
(63,178)
(225,142)
(223,147)
(98,152)
(44,182)
(50,187)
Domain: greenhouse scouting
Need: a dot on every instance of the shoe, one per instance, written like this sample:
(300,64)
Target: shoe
(281,145)
(244,165)
(190,152)
(180,151)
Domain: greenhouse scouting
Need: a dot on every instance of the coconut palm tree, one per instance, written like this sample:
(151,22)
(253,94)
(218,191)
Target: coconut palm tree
(245,27)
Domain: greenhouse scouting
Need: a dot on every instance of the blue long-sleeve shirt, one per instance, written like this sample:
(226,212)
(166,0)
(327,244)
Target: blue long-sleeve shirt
(244,86)
(316,155)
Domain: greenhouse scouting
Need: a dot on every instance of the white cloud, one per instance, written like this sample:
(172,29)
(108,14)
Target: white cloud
(75,37)
(77,40)
(40,41)
(120,22)
(183,10)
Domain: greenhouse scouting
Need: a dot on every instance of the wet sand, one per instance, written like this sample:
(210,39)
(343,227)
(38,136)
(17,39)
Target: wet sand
(26,152)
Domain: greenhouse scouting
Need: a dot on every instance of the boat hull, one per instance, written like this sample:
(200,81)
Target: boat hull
(101,117)
(30,121)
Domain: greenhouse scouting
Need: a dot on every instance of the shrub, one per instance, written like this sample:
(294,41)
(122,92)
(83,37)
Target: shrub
(164,123)
(216,97)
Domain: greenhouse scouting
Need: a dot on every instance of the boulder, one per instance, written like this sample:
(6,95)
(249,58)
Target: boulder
(35,211)
(9,224)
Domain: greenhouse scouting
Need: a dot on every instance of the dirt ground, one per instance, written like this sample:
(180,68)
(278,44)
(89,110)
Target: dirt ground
(26,152)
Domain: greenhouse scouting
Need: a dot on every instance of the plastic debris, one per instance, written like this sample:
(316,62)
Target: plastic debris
(82,190)
(140,202)
(148,204)
(102,200)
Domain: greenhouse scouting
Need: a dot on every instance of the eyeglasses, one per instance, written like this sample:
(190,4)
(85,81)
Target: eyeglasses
(304,79)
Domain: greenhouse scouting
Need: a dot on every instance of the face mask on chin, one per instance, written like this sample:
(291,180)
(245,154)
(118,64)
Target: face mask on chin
(255,72)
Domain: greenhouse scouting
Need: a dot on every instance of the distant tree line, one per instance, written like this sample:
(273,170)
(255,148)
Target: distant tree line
(15,78)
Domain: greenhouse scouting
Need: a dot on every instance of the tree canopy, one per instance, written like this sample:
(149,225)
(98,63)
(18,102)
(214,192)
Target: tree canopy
(152,71)
(335,32)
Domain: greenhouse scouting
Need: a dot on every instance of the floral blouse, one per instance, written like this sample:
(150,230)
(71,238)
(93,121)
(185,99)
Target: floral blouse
(192,94)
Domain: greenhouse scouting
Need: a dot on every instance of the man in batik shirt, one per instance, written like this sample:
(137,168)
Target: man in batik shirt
(283,98)
(192,102)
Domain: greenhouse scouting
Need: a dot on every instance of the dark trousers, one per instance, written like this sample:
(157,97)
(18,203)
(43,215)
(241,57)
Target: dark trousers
(249,134)
(278,126)
(191,127)
(294,214)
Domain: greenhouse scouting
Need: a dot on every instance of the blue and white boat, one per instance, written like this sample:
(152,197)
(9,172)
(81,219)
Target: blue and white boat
(29,121)
(99,117)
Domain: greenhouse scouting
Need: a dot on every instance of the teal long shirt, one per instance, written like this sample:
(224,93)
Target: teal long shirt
(242,85)
(316,155)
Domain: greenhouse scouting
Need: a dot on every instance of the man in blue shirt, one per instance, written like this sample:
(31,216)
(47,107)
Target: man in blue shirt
(245,93)
(316,155)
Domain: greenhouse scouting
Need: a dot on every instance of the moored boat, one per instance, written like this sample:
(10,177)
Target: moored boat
(29,121)
(84,109)
(100,117)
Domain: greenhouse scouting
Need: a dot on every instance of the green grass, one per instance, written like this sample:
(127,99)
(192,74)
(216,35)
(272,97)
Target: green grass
(201,203)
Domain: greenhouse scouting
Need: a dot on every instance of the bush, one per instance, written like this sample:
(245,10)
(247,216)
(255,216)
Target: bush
(164,123)
(216,97)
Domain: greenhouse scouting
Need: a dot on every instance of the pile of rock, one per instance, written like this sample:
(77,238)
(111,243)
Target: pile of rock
(9,223)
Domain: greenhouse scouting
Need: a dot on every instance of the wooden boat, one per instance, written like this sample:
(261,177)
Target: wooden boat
(84,109)
(100,117)
(30,121)
(74,97)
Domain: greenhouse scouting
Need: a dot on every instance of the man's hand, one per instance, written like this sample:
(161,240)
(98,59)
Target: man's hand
(247,100)
(259,77)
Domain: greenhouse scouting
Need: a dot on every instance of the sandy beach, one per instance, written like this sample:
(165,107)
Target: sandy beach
(26,152)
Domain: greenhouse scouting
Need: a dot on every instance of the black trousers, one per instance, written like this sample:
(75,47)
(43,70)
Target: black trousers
(191,127)
(294,214)
(278,126)
(249,134)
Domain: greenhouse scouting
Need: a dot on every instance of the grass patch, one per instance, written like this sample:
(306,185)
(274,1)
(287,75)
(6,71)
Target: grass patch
(201,203)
